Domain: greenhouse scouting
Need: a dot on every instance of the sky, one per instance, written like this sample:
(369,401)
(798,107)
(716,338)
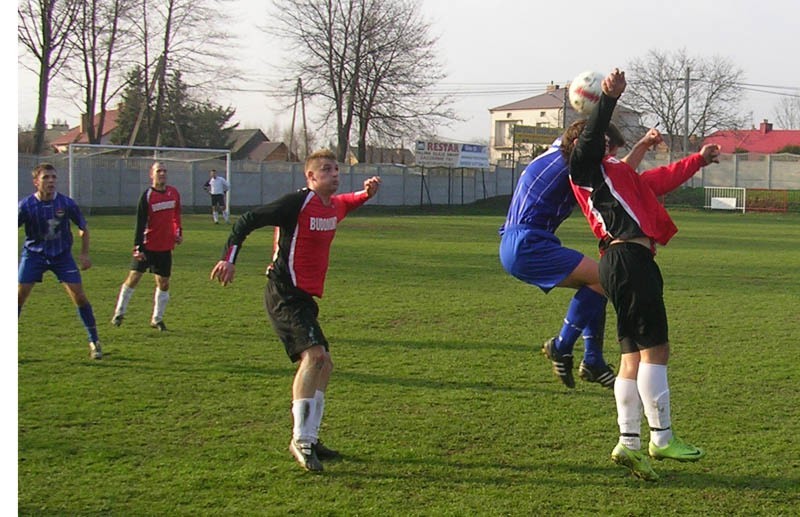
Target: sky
(498,52)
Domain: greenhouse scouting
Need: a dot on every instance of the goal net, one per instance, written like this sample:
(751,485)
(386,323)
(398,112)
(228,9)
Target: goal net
(114,176)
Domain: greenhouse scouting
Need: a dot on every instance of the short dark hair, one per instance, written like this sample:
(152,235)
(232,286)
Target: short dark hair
(615,138)
(570,134)
(42,167)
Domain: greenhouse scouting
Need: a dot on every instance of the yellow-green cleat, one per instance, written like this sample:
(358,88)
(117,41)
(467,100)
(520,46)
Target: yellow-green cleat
(676,449)
(636,461)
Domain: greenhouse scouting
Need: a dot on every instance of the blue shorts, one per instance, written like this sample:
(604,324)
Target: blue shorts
(537,257)
(33,265)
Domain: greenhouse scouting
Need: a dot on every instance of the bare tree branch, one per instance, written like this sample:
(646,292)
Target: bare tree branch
(657,89)
(43,29)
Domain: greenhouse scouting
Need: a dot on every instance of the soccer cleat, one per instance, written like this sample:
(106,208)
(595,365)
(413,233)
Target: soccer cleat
(117,320)
(602,375)
(95,352)
(324,453)
(562,364)
(676,449)
(305,455)
(159,325)
(636,461)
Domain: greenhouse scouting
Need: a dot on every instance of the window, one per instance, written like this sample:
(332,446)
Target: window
(503,137)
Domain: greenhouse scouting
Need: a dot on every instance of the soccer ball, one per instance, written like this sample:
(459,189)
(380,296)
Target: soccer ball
(585,91)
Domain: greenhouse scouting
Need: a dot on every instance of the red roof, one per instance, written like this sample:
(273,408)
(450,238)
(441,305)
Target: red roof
(762,140)
(76,136)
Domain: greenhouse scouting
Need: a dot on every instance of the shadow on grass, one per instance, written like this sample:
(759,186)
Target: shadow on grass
(475,472)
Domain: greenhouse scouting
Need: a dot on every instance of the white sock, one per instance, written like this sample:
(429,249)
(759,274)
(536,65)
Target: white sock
(303,414)
(215,216)
(654,390)
(629,412)
(159,304)
(226,215)
(319,402)
(124,297)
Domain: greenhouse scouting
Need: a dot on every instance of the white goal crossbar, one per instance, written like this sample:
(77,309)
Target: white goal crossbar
(100,148)
(726,198)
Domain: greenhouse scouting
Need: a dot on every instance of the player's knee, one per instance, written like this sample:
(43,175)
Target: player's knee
(327,367)
(318,358)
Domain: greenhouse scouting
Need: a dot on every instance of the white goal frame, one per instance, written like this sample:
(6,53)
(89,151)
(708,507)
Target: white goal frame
(725,198)
(155,150)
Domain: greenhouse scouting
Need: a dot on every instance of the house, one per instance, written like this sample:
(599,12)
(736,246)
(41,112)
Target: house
(543,119)
(396,155)
(253,145)
(77,135)
(763,140)
(25,138)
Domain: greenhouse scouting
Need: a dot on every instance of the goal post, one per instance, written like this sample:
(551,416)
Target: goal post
(725,198)
(188,155)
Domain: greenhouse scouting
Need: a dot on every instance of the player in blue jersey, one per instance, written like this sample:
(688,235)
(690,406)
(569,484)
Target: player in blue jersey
(48,247)
(531,252)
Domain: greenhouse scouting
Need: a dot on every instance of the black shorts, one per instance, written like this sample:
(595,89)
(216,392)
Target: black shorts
(157,262)
(293,314)
(632,280)
(218,200)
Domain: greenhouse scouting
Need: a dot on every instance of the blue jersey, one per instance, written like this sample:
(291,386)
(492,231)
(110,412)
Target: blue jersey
(543,197)
(46,223)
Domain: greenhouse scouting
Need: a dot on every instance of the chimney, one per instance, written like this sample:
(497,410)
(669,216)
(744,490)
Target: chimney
(765,127)
(84,122)
(551,87)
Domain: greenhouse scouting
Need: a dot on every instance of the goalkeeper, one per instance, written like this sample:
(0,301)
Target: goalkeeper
(624,212)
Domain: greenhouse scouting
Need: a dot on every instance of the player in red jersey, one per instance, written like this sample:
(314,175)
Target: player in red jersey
(158,230)
(624,212)
(305,223)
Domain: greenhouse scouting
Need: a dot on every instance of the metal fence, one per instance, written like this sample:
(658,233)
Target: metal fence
(111,183)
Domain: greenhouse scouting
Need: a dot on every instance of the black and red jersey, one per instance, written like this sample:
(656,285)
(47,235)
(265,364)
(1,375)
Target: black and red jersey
(306,228)
(618,202)
(158,219)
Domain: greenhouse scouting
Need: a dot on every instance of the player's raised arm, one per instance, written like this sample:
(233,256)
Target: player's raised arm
(371,185)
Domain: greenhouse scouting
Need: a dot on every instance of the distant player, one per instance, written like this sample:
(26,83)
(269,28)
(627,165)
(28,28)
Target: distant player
(158,230)
(306,223)
(217,186)
(48,247)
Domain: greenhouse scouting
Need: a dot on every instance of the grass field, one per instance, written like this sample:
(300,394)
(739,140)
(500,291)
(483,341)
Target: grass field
(440,400)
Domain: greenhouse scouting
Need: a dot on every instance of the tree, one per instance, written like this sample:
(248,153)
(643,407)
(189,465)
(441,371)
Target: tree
(188,39)
(99,32)
(787,112)
(367,62)
(186,122)
(43,30)
(657,88)
(134,103)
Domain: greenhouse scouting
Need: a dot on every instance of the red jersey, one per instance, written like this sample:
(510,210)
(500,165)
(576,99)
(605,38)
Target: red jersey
(306,229)
(158,219)
(618,202)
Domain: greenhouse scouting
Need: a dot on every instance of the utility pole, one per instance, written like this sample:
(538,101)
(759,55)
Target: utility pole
(686,115)
(294,117)
(298,92)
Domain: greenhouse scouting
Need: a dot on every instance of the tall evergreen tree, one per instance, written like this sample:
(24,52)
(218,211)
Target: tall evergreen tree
(185,122)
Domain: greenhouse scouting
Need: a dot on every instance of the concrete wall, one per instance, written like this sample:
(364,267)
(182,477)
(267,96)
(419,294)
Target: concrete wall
(111,184)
